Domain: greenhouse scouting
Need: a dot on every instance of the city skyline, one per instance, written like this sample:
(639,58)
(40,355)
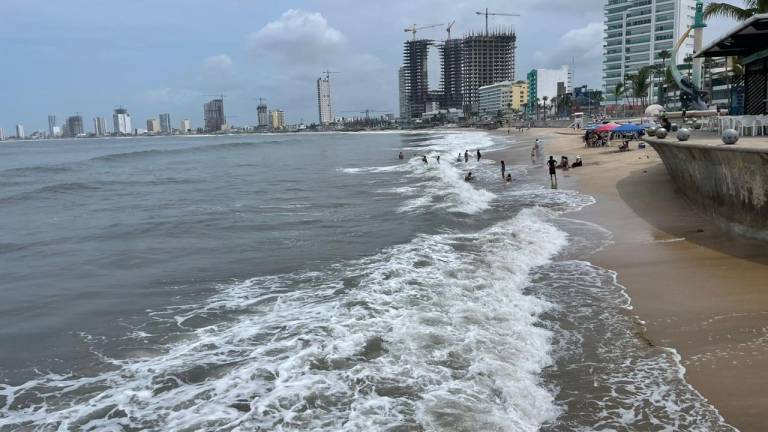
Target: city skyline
(277,56)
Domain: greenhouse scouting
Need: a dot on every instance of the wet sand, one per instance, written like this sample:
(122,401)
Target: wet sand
(699,289)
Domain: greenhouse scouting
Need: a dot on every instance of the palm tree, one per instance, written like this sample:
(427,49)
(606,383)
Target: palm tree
(544,105)
(753,7)
(639,84)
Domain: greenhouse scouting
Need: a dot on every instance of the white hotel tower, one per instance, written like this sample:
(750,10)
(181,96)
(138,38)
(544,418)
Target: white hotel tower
(637,30)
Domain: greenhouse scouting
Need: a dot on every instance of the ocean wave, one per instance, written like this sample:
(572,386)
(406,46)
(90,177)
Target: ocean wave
(435,334)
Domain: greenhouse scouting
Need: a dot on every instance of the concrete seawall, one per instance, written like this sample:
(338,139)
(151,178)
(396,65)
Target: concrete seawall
(729,183)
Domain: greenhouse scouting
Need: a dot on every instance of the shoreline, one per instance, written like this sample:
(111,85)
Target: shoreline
(696,288)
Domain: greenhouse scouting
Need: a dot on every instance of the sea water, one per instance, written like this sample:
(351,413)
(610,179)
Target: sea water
(313,282)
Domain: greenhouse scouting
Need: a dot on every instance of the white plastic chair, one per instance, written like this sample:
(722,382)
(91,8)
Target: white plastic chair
(747,123)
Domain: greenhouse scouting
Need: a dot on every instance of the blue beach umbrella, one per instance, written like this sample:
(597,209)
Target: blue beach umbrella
(629,128)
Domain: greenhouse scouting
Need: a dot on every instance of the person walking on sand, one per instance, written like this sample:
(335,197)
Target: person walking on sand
(503,169)
(466,156)
(552,172)
(478,155)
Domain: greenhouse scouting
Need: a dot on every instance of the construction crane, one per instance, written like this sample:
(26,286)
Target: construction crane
(220,96)
(413,29)
(260,99)
(486,13)
(328,73)
(448,29)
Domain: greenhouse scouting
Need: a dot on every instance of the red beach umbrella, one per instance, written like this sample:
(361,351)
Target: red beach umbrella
(607,127)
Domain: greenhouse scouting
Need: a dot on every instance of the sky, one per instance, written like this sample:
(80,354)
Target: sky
(170,56)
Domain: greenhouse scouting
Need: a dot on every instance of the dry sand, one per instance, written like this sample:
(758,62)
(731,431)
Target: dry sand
(699,289)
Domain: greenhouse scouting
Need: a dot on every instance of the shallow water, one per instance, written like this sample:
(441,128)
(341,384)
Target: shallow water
(312,282)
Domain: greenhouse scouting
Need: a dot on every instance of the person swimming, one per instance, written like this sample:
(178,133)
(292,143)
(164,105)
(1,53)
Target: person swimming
(509,177)
(468,177)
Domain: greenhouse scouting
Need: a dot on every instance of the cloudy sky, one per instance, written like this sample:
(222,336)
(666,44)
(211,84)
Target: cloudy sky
(154,56)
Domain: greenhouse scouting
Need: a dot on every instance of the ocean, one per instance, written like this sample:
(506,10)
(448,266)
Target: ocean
(297,282)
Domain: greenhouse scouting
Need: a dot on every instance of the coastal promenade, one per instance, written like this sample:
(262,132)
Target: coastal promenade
(727,182)
(695,287)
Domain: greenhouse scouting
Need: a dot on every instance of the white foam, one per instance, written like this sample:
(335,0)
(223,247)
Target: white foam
(435,332)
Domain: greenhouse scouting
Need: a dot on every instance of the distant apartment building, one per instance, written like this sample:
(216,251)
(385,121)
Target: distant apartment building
(548,83)
(262,115)
(213,113)
(99,126)
(51,125)
(122,122)
(153,126)
(185,126)
(504,97)
(20,131)
(324,109)
(636,31)
(75,126)
(165,123)
(277,118)
(2,134)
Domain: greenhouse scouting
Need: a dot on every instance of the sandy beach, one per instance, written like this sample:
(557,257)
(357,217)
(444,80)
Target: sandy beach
(696,288)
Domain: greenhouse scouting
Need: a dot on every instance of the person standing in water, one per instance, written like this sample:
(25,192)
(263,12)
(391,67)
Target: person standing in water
(552,172)
(478,155)
(424,159)
(458,159)
(503,169)
(438,158)
(401,156)
(466,156)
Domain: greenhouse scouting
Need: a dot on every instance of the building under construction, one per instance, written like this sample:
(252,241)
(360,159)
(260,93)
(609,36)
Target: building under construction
(467,64)
(485,59)
(415,75)
(213,113)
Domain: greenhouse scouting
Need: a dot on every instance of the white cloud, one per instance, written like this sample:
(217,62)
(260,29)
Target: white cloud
(583,46)
(298,37)
(217,74)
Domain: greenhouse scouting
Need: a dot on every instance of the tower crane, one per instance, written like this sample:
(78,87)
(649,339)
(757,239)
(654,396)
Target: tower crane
(328,73)
(448,29)
(413,29)
(486,13)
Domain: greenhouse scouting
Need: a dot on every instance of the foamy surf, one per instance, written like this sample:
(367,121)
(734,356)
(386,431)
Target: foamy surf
(435,334)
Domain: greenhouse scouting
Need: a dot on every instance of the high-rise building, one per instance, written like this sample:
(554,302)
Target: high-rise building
(545,83)
(325,112)
(214,115)
(99,126)
(122,122)
(636,31)
(75,126)
(450,79)
(20,131)
(165,123)
(486,59)
(2,134)
(153,126)
(416,75)
(405,108)
(185,126)
(277,118)
(51,125)
(262,114)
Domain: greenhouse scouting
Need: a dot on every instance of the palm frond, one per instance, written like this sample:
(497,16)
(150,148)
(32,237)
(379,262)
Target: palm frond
(726,10)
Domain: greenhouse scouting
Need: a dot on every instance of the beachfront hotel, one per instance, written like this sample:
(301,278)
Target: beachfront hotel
(637,30)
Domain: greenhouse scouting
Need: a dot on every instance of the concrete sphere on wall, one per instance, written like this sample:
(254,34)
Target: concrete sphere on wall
(651,131)
(661,133)
(683,134)
(730,136)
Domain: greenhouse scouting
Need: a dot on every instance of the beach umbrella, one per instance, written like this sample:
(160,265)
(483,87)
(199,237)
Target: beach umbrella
(629,128)
(607,127)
